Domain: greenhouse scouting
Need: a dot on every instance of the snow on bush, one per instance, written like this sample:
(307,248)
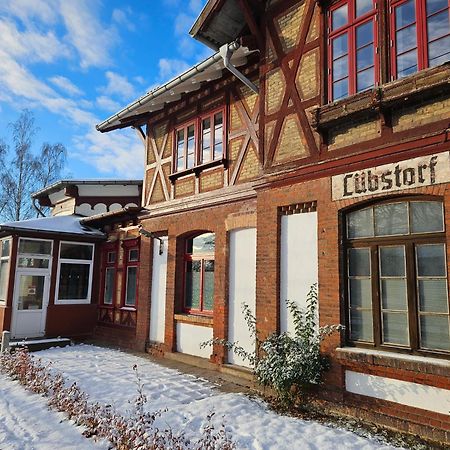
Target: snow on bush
(134,431)
(284,362)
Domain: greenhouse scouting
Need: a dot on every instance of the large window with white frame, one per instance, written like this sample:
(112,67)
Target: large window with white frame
(75,273)
(396,276)
(4,268)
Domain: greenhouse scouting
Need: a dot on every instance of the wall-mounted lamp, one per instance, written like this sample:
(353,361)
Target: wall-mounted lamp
(152,235)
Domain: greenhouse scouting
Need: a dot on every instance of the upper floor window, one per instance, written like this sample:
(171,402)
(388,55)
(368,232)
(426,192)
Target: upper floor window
(109,274)
(396,276)
(352,47)
(200,141)
(199,273)
(420,35)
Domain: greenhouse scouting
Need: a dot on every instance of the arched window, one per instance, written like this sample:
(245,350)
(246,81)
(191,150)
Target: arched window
(396,276)
(199,274)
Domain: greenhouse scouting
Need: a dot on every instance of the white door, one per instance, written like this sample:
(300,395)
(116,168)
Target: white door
(158,299)
(30,303)
(242,289)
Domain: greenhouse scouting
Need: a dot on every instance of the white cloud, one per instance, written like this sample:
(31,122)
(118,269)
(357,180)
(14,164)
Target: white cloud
(30,45)
(118,85)
(196,5)
(30,10)
(107,104)
(66,85)
(92,39)
(169,68)
(122,17)
(183,24)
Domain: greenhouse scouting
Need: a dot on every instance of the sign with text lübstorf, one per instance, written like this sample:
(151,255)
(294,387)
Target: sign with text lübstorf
(412,173)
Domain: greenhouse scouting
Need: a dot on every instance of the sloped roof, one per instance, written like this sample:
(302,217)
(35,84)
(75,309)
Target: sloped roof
(191,80)
(66,225)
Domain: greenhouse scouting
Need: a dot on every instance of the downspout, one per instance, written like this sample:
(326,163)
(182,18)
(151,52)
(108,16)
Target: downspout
(226,51)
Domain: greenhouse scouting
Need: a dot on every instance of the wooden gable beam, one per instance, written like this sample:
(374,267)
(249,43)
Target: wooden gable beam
(251,22)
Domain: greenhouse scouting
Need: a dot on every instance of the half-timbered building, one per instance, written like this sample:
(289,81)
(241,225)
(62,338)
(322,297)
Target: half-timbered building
(311,147)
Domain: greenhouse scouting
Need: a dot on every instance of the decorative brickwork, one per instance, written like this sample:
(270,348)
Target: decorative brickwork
(211,180)
(352,133)
(185,186)
(308,76)
(292,144)
(298,208)
(290,24)
(275,86)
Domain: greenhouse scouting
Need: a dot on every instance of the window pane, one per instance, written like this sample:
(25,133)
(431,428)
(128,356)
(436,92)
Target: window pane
(359,262)
(208,285)
(31,292)
(180,150)
(439,51)
(364,34)
(111,257)
(109,286)
(133,255)
(340,89)
(206,140)
(365,79)
(35,263)
(4,274)
(360,223)
(395,328)
(434,332)
(340,68)
(204,243)
(130,298)
(75,251)
(339,17)
(35,247)
(392,261)
(393,294)
(407,63)
(340,46)
(438,26)
(5,247)
(426,217)
(360,293)
(405,14)
(364,58)
(73,281)
(406,39)
(218,136)
(190,146)
(391,219)
(435,5)
(192,284)
(363,6)
(361,328)
(433,296)
(431,260)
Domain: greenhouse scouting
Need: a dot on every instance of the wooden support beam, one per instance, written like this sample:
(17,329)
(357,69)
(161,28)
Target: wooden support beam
(140,133)
(251,22)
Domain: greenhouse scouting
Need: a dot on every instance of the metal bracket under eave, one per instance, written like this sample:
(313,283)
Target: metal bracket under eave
(150,234)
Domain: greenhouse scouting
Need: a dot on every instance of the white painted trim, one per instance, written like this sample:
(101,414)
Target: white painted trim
(404,392)
(87,300)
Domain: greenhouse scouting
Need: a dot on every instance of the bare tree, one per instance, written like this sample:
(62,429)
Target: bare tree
(22,172)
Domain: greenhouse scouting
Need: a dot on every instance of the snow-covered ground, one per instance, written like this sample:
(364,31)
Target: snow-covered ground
(107,376)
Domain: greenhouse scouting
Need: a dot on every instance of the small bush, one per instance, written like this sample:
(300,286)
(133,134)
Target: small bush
(284,362)
(134,431)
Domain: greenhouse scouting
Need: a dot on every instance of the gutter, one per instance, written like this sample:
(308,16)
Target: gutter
(224,55)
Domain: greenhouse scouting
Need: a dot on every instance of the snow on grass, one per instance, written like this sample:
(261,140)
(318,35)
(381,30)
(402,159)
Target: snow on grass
(27,424)
(107,376)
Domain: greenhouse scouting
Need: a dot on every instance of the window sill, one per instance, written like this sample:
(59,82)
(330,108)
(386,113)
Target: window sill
(204,321)
(415,363)
(405,91)
(197,169)
(128,308)
(72,302)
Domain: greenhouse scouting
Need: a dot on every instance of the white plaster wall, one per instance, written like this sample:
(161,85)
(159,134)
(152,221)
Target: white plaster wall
(403,392)
(298,262)
(108,190)
(158,298)
(84,209)
(242,289)
(131,204)
(99,208)
(189,338)
(115,207)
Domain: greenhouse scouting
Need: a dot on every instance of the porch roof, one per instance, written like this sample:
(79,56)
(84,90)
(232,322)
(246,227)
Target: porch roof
(60,225)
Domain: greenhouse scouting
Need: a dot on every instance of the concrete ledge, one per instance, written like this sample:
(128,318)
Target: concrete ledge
(40,344)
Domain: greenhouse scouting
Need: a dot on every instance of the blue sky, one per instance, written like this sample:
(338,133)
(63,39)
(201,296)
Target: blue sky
(76,62)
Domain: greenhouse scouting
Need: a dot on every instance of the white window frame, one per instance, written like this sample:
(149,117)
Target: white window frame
(48,257)
(87,300)
(8,260)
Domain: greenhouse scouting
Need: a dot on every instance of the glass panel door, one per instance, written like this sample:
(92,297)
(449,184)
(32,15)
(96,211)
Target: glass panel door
(31,292)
